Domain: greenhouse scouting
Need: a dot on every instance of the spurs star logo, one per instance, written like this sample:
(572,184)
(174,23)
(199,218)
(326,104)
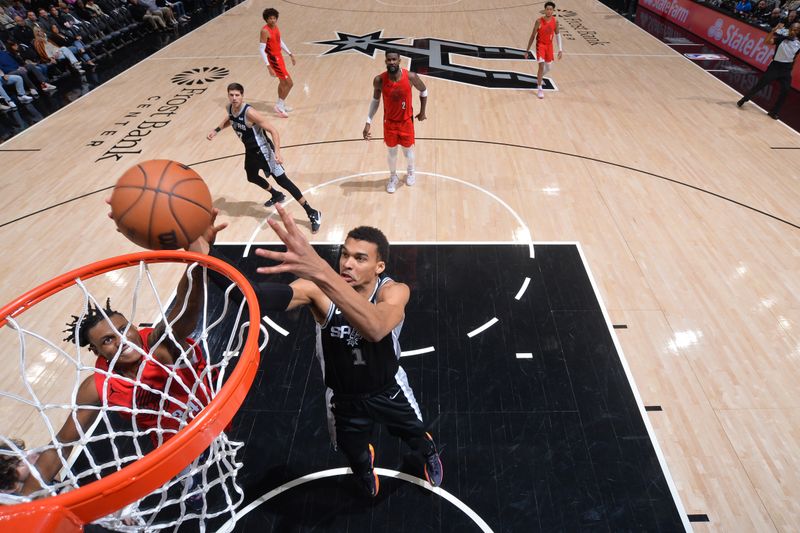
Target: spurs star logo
(432,57)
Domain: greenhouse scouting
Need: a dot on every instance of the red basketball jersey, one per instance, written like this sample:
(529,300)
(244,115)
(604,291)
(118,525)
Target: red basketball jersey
(121,392)
(396,97)
(546,30)
(274,41)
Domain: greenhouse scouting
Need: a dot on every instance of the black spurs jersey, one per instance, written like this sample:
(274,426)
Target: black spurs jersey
(352,364)
(253,137)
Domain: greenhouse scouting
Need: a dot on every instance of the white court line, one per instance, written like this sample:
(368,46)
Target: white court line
(522,289)
(483,328)
(275,326)
(716,70)
(525,236)
(620,55)
(229,525)
(417,352)
(645,416)
(525,356)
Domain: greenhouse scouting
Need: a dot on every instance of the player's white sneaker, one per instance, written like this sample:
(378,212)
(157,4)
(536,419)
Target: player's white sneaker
(411,179)
(287,108)
(280,111)
(540,93)
(392,185)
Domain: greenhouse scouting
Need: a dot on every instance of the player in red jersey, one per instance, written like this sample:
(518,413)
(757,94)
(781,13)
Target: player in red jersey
(398,116)
(543,31)
(271,47)
(119,345)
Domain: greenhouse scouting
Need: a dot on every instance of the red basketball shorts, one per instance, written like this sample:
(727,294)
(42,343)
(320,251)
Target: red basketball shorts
(278,66)
(395,133)
(544,52)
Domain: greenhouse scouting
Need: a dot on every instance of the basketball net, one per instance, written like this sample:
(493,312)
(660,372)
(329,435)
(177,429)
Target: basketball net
(206,487)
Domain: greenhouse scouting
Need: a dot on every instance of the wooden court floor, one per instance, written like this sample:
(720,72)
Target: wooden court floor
(685,207)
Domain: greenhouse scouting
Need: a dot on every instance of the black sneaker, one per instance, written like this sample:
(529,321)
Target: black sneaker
(433,465)
(741,102)
(772,115)
(276,199)
(368,481)
(316,220)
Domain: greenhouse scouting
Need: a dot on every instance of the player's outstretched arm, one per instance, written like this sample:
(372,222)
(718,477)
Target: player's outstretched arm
(49,463)
(213,133)
(558,41)
(377,85)
(185,314)
(423,94)
(257,118)
(373,321)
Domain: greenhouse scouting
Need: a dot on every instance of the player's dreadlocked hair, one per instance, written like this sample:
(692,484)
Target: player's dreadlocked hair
(91,319)
(8,465)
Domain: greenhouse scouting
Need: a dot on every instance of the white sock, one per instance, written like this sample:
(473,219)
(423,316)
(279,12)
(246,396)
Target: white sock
(392,159)
(280,103)
(409,153)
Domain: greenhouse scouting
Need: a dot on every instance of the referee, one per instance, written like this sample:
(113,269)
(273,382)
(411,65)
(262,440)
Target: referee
(781,67)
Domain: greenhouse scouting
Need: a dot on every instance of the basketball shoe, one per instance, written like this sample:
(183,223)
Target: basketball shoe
(368,481)
(280,111)
(540,93)
(433,465)
(392,185)
(316,220)
(276,199)
(411,179)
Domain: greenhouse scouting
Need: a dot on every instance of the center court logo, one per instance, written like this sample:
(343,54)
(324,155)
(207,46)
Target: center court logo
(432,57)
(715,31)
(200,76)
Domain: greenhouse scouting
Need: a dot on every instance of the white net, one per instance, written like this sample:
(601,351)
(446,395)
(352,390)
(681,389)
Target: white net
(144,399)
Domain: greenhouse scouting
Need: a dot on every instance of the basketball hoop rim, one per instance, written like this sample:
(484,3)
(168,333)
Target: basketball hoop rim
(115,491)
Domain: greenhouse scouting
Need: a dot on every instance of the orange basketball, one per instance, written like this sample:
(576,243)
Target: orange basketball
(161,205)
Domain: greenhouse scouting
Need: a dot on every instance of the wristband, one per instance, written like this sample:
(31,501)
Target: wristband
(369,120)
(217,129)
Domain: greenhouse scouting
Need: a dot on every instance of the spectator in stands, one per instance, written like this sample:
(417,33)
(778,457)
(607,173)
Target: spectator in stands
(55,54)
(16,9)
(26,55)
(165,12)
(141,13)
(761,11)
(16,81)
(743,8)
(774,18)
(10,65)
(6,103)
(71,41)
(21,32)
(6,20)
(45,20)
(32,21)
(790,19)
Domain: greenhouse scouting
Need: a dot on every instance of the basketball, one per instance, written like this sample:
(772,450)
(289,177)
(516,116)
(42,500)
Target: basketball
(161,205)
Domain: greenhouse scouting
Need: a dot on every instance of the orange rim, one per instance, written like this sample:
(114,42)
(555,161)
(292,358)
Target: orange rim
(115,491)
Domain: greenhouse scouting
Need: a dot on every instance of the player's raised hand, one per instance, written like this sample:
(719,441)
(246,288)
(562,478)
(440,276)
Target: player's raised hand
(203,243)
(299,258)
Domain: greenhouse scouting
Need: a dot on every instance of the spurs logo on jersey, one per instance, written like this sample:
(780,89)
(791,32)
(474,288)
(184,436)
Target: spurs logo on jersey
(431,57)
(351,364)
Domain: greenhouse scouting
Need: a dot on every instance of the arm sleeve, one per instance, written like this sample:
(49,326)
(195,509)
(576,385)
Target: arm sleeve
(262,49)
(558,41)
(373,108)
(285,48)
(271,296)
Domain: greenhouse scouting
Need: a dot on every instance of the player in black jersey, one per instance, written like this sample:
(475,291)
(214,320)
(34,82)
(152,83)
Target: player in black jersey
(260,152)
(359,313)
